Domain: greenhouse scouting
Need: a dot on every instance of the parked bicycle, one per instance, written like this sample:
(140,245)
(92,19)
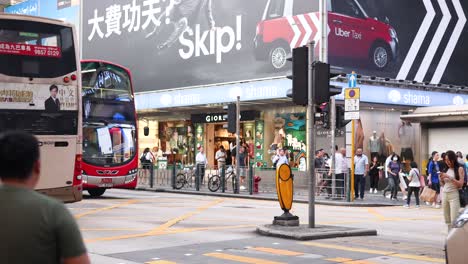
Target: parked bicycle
(214,183)
(185,178)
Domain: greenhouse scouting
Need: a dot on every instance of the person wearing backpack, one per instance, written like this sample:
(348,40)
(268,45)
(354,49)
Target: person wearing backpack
(146,160)
(414,185)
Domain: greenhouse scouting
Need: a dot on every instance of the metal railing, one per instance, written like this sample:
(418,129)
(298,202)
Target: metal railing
(254,180)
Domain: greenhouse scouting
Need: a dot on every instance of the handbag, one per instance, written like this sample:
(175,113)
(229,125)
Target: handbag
(428,195)
(463,193)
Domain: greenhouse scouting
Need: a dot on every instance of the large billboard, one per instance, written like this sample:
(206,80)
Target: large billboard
(182,43)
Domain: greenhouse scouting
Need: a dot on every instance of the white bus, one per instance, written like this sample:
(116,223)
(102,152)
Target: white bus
(40,93)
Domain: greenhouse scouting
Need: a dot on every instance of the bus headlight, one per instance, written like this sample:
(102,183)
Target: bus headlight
(130,178)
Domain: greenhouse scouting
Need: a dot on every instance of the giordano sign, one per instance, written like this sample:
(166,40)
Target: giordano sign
(222,117)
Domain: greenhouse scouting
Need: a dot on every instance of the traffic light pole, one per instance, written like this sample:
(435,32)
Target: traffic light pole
(311,137)
(324,58)
(237,144)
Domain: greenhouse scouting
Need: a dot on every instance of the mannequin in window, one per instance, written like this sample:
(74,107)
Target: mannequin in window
(386,147)
(406,135)
(374,145)
(359,135)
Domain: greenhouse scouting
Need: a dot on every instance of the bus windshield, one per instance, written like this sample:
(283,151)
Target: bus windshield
(106,145)
(44,50)
(108,114)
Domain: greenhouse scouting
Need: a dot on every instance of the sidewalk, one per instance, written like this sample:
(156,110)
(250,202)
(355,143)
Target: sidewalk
(300,196)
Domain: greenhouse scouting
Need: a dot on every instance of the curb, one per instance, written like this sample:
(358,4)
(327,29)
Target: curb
(262,198)
(303,233)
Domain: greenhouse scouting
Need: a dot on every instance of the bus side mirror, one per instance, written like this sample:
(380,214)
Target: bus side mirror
(146,131)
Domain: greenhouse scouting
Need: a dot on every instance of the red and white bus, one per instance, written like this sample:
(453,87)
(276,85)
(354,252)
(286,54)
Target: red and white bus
(110,142)
(39,93)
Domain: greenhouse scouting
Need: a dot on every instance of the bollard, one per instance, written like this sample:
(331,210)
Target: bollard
(251,180)
(348,188)
(197,177)
(223,178)
(173,177)
(151,176)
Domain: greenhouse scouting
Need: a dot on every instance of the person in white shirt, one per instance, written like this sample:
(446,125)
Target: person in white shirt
(414,184)
(157,153)
(220,156)
(341,168)
(280,158)
(201,163)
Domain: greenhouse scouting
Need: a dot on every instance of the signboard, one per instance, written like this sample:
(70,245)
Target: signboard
(29,50)
(222,117)
(351,115)
(194,42)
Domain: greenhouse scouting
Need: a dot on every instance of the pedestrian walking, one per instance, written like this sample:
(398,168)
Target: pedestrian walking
(452,181)
(341,169)
(394,169)
(414,184)
(35,228)
(146,160)
(242,167)
(374,174)
(433,179)
(361,168)
(201,163)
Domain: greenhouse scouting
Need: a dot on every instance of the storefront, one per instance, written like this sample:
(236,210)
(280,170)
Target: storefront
(273,122)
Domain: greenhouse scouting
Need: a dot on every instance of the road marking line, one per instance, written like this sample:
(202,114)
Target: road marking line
(160,229)
(186,216)
(344,248)
(373,212)
(241,259)
(276,251)
(376,252)
(111,229)
(160,262)
(78,216)
(422,258)
(359,262)
(339,260)
(187,230)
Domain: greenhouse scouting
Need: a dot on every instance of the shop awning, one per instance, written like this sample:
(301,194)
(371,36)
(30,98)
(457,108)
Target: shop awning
(455,113)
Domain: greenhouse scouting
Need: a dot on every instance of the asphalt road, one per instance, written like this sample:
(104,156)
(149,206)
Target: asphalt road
(130,227)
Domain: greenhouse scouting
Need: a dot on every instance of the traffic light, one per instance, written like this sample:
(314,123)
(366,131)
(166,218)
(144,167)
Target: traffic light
(232,118)
(326,114)
(340,120)
(321,82)
(299,77)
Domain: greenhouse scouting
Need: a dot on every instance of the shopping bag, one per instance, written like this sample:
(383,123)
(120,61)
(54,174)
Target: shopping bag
(428,195)
(403,185)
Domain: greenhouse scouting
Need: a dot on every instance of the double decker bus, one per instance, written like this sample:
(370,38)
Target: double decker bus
(110,147)
(40,89)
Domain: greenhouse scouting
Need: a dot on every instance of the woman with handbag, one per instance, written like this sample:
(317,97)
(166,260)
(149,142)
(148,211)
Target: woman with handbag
(414,185)
(394,169)
(452,181)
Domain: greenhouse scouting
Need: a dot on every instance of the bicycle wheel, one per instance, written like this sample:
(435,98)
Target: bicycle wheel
(180,181)
(214,183)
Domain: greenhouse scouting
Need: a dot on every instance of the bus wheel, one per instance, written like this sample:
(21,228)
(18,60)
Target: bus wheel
(96,192)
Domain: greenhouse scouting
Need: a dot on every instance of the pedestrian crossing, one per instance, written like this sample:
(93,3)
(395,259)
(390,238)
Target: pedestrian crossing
(272,255)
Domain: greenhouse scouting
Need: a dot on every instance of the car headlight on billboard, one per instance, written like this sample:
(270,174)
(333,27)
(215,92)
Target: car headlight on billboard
(392,33)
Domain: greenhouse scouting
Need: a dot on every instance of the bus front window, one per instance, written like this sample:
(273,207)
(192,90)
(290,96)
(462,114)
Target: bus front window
(109,145)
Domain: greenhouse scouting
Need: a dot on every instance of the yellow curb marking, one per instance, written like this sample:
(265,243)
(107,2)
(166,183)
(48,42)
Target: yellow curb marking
(241,259)
(78,216)
(276,251)
(160,262)
(376,252)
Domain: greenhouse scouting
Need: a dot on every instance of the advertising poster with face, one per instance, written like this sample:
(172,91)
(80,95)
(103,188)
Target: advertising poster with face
(51,98)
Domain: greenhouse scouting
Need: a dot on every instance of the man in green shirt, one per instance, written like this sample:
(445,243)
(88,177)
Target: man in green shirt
(34,228)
